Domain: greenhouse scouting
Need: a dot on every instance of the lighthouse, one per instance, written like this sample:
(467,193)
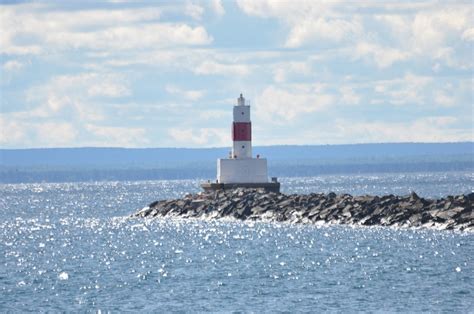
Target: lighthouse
(241,130)
(241,169)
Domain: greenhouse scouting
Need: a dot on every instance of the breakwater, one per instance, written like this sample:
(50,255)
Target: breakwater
(448,213)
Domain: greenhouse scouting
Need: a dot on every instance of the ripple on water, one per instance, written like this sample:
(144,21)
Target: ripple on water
(71,247)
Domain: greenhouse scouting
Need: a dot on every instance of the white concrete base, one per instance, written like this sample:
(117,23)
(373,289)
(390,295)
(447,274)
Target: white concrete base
(248,170)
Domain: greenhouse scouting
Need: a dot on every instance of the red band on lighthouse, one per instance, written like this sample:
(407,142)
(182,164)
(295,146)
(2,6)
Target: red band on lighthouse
(242,131)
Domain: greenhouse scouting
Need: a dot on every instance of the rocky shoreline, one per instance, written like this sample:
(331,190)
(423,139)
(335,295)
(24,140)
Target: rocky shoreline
(449,213)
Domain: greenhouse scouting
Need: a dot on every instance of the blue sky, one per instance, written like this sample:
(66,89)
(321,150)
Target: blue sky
(166,74)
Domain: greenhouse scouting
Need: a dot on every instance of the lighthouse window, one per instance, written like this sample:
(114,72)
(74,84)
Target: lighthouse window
(242,113)
(243,146)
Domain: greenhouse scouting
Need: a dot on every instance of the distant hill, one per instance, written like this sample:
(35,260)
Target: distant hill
(85,164)
(153,156)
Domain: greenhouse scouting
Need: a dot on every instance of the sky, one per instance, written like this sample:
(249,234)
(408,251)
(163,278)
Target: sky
(167,73)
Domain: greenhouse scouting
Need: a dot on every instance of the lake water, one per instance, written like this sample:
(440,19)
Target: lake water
(70,247)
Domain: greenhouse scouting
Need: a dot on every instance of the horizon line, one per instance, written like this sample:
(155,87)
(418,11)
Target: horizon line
(222,147)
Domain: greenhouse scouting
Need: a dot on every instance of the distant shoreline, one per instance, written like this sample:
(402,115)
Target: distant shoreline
(121,164)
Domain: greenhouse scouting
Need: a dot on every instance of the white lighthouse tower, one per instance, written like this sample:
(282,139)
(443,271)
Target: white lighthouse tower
(241,169)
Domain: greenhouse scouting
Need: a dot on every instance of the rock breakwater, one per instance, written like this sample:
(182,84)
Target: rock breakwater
(450,213)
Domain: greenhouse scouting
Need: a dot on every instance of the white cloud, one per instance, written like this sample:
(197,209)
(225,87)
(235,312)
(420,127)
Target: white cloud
(11,23)
(73,95)
(216,68)
(383,56)
(192,95)
(64,88)
(153,57)
(109,88)
(347,130)
(328,39)
(130,37)
(57,107)
(282,71)
(12,131)
(17,132)
(285,9)
(200,137)
(49,18)
(93,83)
(118,136)
(308,21)
(50,30)
(193,10)
(443,99)
(217,7)
(55,134)
(10,70)
(203,61)
(213,114)
(348,96)
(310,30)
(433,33)
(278,104)
(468,34)
(13,65)
(410,89)
(21,130)
(415,30)
(431,29)
(427,129)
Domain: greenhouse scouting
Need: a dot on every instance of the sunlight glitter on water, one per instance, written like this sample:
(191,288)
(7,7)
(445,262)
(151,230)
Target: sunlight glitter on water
(72,247)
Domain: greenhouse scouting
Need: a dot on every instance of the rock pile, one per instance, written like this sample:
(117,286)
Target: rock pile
(451,212)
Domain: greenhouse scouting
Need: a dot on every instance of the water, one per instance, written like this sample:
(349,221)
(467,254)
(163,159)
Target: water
(70,247)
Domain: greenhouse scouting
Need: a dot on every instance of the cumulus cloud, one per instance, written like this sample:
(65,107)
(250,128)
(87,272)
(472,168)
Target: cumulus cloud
(11,69)
(426,129)
(75,93)
(468,34)
(55,133)
(13,65)
(57,109)
(282,71)
(286,104)
(12,131)
(411,89)
(118,136)
(194,10)
(130,37)
(351,130)
(322,28)
(192,95)
(390,51)
(200,137)
(431,30)
(444,99)
(383,56)
(214,114)
(18,132)
(415,30)
(435,33)
(50,30)
(217,7)
(308,21)
(216,68)
(349,96)
(109,88)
